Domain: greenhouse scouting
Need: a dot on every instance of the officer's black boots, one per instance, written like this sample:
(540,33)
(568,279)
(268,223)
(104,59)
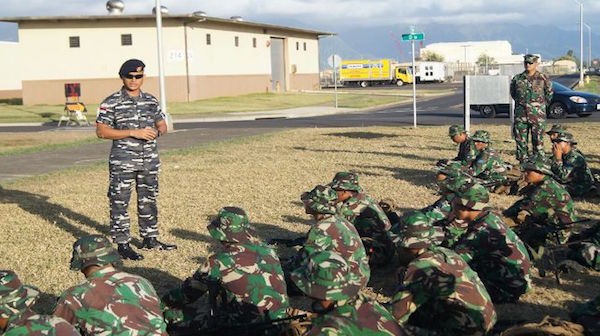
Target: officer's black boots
(153,243)
(127,252)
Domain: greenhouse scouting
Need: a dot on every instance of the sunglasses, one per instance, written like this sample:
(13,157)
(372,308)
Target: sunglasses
(130,76)
(529,62)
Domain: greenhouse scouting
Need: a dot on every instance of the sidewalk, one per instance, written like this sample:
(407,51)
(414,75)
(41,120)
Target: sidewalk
(298,112)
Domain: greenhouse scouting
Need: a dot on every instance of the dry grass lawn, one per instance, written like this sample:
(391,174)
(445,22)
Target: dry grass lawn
(19,142)
(43,216)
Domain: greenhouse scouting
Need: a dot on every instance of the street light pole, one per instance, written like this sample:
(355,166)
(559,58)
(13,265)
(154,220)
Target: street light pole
(580,42)
(161,65)
(589,45)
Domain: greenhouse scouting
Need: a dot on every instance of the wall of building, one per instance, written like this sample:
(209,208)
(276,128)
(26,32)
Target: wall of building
(194,68)
(10,81)
(469,52)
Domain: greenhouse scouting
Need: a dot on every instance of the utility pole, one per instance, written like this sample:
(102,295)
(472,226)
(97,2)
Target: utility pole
(589,45)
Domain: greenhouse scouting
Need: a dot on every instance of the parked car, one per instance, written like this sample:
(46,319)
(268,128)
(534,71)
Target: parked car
(565,101)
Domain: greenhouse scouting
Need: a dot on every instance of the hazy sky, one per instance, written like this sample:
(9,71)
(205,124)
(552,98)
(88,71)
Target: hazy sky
(328,14)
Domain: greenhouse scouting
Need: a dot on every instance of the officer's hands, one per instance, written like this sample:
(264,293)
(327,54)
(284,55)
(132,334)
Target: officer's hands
(147,133)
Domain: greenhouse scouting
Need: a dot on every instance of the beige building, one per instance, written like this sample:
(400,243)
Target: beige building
(203,57)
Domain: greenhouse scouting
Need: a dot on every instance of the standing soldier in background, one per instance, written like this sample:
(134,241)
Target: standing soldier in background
(16,316)
(133,120)
(110,301)
(532,92)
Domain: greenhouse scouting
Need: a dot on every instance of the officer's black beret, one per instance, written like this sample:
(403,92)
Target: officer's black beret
(132,65)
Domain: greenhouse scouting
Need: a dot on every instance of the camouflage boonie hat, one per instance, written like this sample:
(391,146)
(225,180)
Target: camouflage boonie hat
(566,137)
(325,276)
(451,169)
(93,250)
(417,232)
(14,296)
(530,58)
(345,181)
(455,130)
(473,196)
(481,136)
(454,184)
(231,224)
(321,199)
(556,128)
(539,165)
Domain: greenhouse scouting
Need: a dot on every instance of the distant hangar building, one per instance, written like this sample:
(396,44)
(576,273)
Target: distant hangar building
(204,57)
(468,52)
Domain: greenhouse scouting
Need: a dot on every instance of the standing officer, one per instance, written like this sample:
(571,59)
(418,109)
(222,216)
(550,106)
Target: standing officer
(532,92)
(133,120)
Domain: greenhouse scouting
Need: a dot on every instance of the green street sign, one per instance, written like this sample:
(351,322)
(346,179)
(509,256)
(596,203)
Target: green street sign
(413,37)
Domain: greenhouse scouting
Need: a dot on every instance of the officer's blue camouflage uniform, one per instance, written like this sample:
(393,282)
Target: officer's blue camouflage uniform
(132,161)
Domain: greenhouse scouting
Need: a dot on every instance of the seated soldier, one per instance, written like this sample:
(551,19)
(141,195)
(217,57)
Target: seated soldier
(546,211)
(364,212)
(16,315)
(585,247)
(491,248)
(110,301)
(439,294)
(339,306)
(466,149)
(331,232)
(488,168)
(570,167)
(244,270)
(555,131)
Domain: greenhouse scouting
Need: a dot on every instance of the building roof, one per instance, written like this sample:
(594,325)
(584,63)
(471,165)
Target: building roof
(188,18)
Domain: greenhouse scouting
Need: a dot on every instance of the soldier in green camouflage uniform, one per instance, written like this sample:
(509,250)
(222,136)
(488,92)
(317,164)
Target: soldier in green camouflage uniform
(466,149)
(570,167)
(332,232)
(546,209)
(16,315)
(585,247)
(246,269)
(532,92)
(487,168)
(439,294)
(133,120)
(110,301)
(491,248)
(588,315)
(339,307)
(364,212)
(450,179)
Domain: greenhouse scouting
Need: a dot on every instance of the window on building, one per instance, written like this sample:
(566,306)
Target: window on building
(73,41)
(297,45)
(126,40)
(237,41)
(208,39)
(254,42)
(304,46)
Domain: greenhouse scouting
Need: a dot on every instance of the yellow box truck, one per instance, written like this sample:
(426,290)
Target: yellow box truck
(373,72)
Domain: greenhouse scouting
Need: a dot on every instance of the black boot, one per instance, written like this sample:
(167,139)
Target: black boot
(153,243)
(126,252)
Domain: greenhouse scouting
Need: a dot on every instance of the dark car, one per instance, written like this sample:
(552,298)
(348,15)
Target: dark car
(565,101)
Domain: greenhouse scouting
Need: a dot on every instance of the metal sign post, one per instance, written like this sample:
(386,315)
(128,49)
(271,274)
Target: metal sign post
(412,37)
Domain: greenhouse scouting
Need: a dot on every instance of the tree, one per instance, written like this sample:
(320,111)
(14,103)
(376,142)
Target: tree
(485,59)
(569,56)
(431,56)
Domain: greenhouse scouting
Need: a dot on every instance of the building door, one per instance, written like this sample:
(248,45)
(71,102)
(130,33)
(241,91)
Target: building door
(277,65)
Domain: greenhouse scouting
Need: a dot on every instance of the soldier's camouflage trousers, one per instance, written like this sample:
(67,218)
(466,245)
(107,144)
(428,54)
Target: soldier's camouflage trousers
(119,193)
(522,129)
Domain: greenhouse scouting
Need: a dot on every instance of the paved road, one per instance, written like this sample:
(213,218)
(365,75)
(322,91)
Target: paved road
(437,111)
